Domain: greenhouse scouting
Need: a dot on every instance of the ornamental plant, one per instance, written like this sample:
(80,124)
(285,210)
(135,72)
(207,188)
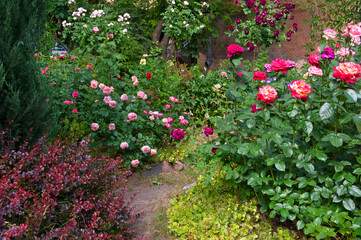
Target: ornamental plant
(122,114)
(183,19)
(58,190)
(296,141)
(105,32)
(264,24)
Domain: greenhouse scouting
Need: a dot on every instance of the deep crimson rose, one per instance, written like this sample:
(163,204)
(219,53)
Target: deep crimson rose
(313,60)
(259,75)
(214,150)
(149,75)
(234,49)
(300,89)
(267,94)
(280,65)
(348,72)
(178,134)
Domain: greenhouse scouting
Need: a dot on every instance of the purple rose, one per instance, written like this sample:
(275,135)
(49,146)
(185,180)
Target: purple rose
(214,150)
(328,53)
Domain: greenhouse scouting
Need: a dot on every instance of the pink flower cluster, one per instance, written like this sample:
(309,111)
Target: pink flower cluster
(147,149)
(142,95)
(69,102)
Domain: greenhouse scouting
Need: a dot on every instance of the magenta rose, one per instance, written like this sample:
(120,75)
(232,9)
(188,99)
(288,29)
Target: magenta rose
(178,134)
(208,131)
(234,49)
(259,75)
(280,65)
(313,60)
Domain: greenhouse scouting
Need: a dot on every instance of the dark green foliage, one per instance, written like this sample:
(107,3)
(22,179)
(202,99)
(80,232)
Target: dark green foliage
(21,90)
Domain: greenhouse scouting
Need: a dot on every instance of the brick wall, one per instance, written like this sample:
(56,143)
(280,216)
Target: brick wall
(292,50)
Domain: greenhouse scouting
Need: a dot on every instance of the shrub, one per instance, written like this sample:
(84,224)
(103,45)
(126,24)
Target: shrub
(58,190)
(128,109)
(297,142)
(213,211)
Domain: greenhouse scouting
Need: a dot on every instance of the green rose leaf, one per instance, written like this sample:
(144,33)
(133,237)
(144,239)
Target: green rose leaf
(281,166)
(300,224)
(357,171)
(354,191)
(236,62)
(349,204)
(336,141)
(277,138)
(351,95)
(236,94)
(308,127)
(321,156)
(326,111)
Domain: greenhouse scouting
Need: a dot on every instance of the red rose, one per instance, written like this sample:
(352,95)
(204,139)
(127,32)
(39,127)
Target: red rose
(280,65)
(300,89)
(313,60)
(347,72)
(234,49)
(259,75)
(267,94)
(149,75)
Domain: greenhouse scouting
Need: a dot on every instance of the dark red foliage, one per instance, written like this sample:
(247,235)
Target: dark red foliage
(59,191)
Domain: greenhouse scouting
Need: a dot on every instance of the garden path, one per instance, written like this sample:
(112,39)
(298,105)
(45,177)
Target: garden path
(151,191)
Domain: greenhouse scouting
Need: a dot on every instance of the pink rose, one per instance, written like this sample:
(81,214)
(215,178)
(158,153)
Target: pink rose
(345,52)
(151,118)
(134,79)
(107,99)
(267,67)
(47,69)
(234,49)
(111,127)
(132,116)
(107,90)
(167,125)
(53,83)
(141,94)
(176,100)
(329,34)
(55,58)
(160,114)
(95,29)
(167,106)
(94,126)
(170,119)
(145,112)
(224,74)
(93,83)
(150,112)
(35,55)
(136,83)
(313,60)
(134,163)
(75,111)
(124,145)
(112,104)
(181,117)
(72,57)
(153,152)
(165,120)
(315,71)
(172,98)
(102,86)
(43,72)
(184,121)
(111,35)
(75,94)
(145,149)
(89,66)
(124,97)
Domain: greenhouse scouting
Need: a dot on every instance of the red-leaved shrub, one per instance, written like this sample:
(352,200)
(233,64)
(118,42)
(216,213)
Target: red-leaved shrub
(58,190)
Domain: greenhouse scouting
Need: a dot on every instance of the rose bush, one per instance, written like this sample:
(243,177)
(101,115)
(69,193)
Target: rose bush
(298,146)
